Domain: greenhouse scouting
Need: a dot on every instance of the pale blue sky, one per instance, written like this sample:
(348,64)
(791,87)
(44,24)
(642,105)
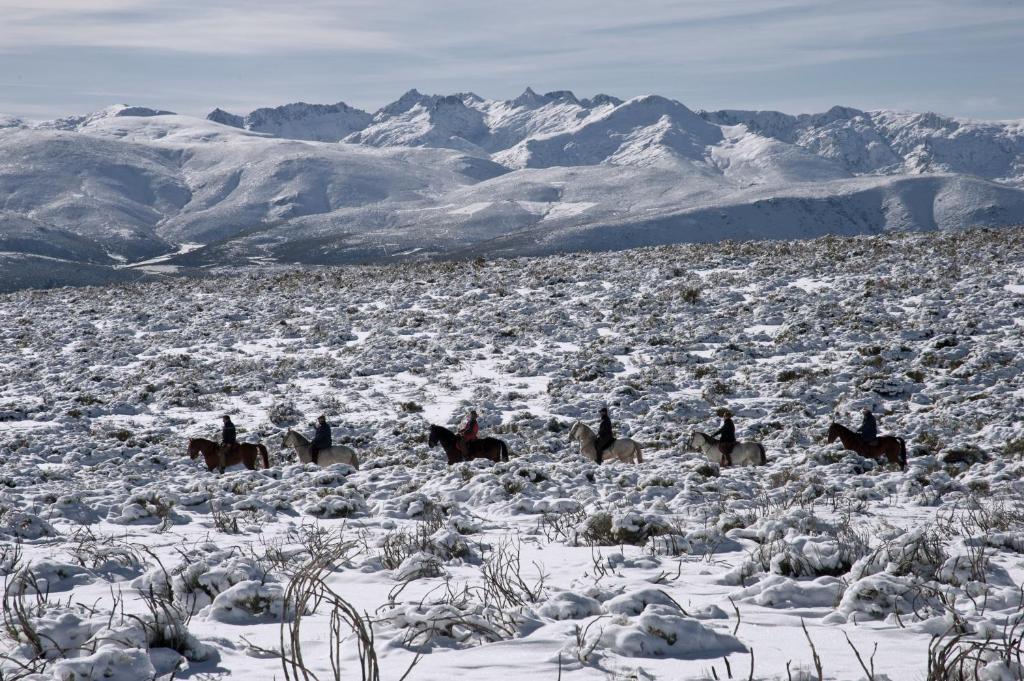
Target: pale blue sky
(959,57)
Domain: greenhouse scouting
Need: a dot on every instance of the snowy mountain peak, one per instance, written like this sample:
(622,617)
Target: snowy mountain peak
(223,117)
(600,100)
(417,120)
(299,120)
(11,122)
(470,98)
(402,104)
(530,99)
(561,96)
(115,111)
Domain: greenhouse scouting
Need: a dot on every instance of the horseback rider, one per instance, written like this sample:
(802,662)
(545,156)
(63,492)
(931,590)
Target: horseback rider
(605,436)
(321,438)
(228,440)
(869,428)
(726,435)
(469,431)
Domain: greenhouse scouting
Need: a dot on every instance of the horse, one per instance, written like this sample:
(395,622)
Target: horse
(484,448)
(742,454)
(623,449)
(891,448)
(325,457)
(244,453)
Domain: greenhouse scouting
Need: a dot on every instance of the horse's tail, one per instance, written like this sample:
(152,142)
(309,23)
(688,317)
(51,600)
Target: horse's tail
(764,454)
(262,449)
(504,450)
(903,453)
(636,451)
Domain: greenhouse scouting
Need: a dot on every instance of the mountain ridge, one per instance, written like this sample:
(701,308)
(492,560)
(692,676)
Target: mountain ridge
(455,175)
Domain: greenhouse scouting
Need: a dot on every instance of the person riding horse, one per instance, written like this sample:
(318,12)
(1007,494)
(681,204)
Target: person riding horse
(726,435)
(469,431)
(605,436)
(869,428)
(321,438)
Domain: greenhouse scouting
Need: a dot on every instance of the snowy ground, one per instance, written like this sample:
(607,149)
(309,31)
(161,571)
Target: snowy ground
(123,559)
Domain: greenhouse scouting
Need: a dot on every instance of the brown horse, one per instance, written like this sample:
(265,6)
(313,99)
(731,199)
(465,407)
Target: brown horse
(888,447)
(484,448)
(244,453)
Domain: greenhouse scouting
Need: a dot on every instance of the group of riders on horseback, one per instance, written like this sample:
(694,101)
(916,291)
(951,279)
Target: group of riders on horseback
(726,434)
(322,438)
(465,443)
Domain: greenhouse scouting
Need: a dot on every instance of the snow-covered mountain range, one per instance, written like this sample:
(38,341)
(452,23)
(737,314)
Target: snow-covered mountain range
(128,190)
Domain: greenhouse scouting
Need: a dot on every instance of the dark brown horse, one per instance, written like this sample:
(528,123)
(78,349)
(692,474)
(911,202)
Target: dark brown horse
(244,453)
(484,448)
(888,447)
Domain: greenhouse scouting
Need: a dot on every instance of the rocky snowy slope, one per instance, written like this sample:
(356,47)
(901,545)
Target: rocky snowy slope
(122,559)
(432,176)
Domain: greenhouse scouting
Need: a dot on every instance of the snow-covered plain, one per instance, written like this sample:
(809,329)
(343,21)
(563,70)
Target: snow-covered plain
(123,559)
(94,198)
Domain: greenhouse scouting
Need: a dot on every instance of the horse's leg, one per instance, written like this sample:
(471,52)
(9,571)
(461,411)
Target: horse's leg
(892,455)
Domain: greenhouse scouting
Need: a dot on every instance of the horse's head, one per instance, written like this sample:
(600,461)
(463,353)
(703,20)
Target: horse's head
(574,432)
(692,442)
(833,432)
(193,448)
(432,439)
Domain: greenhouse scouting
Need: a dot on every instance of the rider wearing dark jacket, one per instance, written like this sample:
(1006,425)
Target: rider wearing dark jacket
(227,432)
(321,438)
(605,435)
(869,428)
(726,435)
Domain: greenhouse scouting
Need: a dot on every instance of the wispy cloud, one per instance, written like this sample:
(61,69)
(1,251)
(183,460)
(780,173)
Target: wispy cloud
(189,26)
(367,51)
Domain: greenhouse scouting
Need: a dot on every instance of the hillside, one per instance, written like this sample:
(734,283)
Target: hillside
(123,559)
(457,175)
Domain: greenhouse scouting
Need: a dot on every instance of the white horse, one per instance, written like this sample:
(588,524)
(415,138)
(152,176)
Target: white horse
(743,453)
(325,457)
(623,449)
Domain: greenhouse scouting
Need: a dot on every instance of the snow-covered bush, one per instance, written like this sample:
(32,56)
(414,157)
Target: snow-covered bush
(248,602)
(23,525)
(662,631)
(604,528)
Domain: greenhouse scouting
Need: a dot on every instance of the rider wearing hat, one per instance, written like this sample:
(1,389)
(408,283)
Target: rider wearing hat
(726,435)
(469,431)
(321,438)
(605,436)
